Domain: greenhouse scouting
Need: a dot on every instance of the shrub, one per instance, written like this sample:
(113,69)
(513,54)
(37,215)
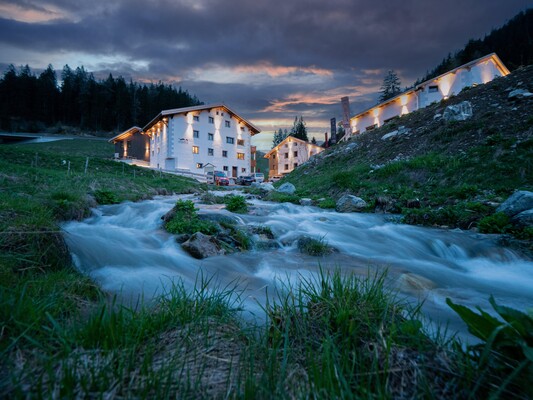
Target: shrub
(327,203)
(495,223)
(314,247)
(104,196)
(185,220)
(236,204)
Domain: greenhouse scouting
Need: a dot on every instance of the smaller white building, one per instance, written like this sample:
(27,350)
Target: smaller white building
(480,71)
(289,154)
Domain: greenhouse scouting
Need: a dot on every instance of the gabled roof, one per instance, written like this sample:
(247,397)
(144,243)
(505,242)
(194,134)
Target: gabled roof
(290,139)
(499,64)
(185,110)
(125,134)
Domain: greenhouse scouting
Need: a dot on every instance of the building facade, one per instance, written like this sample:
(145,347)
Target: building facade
(132,143)
(187,139)
(480,71)
(289,154)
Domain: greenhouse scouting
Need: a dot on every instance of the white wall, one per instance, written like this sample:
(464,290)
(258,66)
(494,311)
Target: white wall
(285,155)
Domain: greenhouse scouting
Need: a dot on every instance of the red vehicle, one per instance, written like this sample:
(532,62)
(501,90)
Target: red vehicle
(221,179)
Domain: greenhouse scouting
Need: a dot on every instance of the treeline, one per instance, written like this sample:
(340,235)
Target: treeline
(33,103)
(513,43)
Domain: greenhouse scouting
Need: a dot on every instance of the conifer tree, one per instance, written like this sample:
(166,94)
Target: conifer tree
(390,87)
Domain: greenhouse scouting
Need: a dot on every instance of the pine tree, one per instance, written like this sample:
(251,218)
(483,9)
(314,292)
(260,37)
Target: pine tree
(299,130)
(391,86)
(313,140)
(278,138)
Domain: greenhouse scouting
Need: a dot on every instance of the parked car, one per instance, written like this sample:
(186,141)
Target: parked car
(221,179)
(275,178)
(245,180)
(259,177)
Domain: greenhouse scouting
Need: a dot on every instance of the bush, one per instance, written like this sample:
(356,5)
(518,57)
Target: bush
(327,203)
(105,196)
(314,247)
(236,204)
(185,220)
(495,223)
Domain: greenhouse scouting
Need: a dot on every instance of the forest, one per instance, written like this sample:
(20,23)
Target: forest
(31,103)
(513,43)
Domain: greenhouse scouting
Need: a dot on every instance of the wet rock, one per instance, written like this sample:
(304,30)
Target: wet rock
(350,203)
(519,94)
(383,204)
(267,186)
(458,112)
(306,202)
(219,218)
(182,238)
(287,188)
(169,215)
(202,246)
(267,245)
(519,201)
(414,283)
(523,219)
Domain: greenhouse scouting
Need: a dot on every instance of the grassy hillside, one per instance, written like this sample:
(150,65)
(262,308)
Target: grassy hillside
(440,173)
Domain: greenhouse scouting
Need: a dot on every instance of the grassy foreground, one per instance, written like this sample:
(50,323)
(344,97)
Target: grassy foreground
(331,337)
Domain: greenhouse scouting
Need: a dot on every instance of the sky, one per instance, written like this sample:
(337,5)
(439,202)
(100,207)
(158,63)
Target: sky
(269,60)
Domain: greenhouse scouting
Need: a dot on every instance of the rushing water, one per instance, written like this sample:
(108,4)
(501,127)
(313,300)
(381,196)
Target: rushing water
(124,248)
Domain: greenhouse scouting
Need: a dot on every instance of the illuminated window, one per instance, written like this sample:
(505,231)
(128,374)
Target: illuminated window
(196,134)
(199,165)
(211,120)
(230,140)
(227,124)
(225,168)
(210,152)
(240,156)
(286,167)
(433,89)
(210,136)
(195,149)
(196,118)
(224,153)
(243,170)
(295,153)
(240,142)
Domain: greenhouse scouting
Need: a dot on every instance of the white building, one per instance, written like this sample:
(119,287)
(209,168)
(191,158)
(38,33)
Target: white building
(186,139)
(289,154)
(476,72)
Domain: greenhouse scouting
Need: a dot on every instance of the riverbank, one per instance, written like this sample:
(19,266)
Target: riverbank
(62,336)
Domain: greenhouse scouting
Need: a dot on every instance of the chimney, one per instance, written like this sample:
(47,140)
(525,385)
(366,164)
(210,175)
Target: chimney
(326,142)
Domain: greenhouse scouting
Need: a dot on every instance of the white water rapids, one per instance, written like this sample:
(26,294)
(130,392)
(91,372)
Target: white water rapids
(125,250)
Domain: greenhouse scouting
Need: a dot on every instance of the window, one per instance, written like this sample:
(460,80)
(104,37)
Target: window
(286,145)
(227,124)
(224,153)
(225,168)
(152,153)
(196,134)
(158,150)
(210,152)
(196,118)
(286,167)
(210,136)
(433,89)
(369,128)
(295,164)
(274,157)
(240,142)
(243,170)
(240,156)
(199,165)
(286,155)
(230,140)
(242,128)
(195,149)
(295,153)
(211,120)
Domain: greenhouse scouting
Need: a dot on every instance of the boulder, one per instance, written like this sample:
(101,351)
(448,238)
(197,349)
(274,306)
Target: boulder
(523,219)
(169,215)
(219,218)
(519,94)
(350,203)
(458,112)
(267,186)
(519,201)
(389,135)
(306,202)
(287,188)
(202,246)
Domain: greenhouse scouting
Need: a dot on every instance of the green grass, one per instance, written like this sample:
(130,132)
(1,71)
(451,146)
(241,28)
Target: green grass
(236,204)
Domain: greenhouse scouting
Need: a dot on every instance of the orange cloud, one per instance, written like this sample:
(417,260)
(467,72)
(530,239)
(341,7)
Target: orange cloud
(278,70)
(27,14)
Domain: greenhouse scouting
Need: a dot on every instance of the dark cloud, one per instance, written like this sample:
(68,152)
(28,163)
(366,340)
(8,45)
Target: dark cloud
(264,54)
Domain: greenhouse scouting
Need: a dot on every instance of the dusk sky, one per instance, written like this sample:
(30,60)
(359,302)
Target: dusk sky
(268,60)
